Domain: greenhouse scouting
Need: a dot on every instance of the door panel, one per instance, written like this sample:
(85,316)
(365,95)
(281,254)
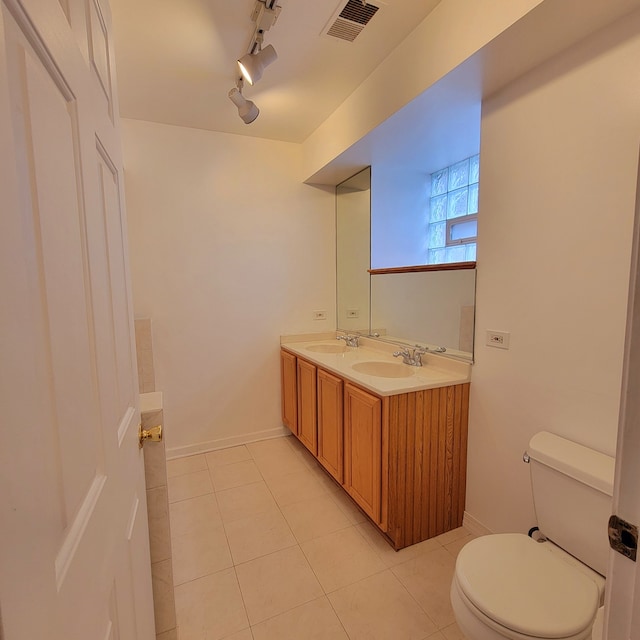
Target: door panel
(307,409)
(73,542)
(330,431)
(363,449)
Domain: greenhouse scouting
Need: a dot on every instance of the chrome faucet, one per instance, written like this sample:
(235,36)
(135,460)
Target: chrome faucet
(413,356)
(350,339)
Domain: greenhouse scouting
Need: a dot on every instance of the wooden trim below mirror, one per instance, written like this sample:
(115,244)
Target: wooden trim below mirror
(452,266)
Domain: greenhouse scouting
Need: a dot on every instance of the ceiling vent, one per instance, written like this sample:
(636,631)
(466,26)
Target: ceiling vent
(350,19)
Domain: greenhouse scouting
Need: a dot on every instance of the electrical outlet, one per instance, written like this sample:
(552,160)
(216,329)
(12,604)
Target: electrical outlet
(353,313)
(499,339)
(320,315)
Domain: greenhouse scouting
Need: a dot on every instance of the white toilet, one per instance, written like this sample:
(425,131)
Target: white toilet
(511,586)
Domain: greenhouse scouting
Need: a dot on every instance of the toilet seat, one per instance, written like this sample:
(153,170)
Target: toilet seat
(520,586)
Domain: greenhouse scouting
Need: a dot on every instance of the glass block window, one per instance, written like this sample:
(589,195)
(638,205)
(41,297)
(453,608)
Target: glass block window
(453,212)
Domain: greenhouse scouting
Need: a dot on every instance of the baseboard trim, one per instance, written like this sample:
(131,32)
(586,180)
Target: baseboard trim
(474,526)
(225,443)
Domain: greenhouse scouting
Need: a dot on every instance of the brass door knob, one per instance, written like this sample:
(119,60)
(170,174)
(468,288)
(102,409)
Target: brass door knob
(154,434)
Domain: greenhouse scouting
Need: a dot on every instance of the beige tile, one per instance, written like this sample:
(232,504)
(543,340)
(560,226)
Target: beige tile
(271,447)
(148,420)
(275,583)
(164,606)
(189,485)
(210,608)
(276,457)
(453,632)
(227,456)
(148,383)
(155,465)
(241,635)
(389,555)
(195,514)
(306,455)
(182,466)
(428,579)
(378,608)
(451,536)
(314,620)
(454,547)
(315,518)
(296,487)
(341,558)
(348,507)
(323,476)
(159,530)
(244,502)
(155,470)
(259,535)
(235,475)
(199,553)
(274,467)
(172,634)
(142,328)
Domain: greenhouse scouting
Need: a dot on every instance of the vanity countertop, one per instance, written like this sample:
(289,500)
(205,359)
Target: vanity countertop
(437,371)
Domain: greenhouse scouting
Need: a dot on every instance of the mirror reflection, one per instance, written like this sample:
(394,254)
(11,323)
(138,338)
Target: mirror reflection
(433,308)
(353,231)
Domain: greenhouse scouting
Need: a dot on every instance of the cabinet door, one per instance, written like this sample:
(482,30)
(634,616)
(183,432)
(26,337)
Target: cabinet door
(363,449)
(307,424)
(330,432)
(289,391)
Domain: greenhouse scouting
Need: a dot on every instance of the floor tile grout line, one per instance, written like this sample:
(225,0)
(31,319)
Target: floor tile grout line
(337,616)
(357,525)
(302,604)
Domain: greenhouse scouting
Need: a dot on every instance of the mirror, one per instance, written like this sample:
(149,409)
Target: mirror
(353,231)
(431,308)
(426,306)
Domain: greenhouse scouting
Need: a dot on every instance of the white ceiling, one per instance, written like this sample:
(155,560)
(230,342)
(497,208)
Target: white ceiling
(176,61)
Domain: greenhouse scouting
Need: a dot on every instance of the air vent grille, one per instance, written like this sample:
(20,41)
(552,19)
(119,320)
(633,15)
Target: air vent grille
(358,11)
(353,18)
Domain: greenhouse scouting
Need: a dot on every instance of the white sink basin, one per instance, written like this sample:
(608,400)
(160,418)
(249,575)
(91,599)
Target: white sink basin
(383,369)
(327,348)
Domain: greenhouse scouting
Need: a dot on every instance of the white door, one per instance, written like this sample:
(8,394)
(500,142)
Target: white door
(74,550)
(622,619)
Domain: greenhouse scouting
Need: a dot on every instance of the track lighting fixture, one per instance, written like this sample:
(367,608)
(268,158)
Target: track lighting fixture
(252,65)
(247,110)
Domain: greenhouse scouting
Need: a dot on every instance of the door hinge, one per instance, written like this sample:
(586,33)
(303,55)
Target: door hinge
(623,537)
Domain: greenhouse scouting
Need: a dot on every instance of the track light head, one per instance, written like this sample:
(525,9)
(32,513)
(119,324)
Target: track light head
(247,110)
(252,65)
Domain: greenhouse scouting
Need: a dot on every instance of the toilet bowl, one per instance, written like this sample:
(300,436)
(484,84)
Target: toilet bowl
(512,586)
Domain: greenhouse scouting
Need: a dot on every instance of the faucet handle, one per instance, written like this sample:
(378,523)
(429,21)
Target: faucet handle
(351,340)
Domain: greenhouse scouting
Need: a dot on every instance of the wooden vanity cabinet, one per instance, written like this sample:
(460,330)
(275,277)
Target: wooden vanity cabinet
(401,458)
(363,449)
(307,406)
(330,424)
(289,390)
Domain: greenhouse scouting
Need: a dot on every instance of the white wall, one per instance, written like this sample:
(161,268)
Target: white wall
(559,153)
(399,206)
(228,251)
(451,33)
(423,307)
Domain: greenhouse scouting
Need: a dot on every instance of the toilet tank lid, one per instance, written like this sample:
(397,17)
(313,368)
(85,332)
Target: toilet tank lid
(593,468)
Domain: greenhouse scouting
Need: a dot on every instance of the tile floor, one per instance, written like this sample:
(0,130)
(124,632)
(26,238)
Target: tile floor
(267,547)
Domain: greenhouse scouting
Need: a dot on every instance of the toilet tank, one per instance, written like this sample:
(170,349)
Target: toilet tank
(572,495)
